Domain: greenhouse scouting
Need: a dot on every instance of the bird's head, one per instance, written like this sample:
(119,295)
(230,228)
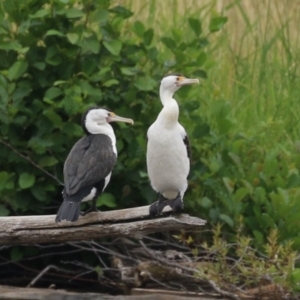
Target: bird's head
(173,82)
(96,117)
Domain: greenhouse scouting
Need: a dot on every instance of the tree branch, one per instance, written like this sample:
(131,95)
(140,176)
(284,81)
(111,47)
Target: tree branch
(31,161)
(133,222)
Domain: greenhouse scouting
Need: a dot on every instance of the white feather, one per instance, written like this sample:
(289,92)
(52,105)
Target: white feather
(95,126)
(90,196)
(167,161)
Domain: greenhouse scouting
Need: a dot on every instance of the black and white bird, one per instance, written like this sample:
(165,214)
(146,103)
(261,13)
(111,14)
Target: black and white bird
(88,167)
(168,149)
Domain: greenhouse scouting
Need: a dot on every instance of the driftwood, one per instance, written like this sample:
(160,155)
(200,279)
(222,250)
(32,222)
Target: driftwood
(132,222)
(16,293)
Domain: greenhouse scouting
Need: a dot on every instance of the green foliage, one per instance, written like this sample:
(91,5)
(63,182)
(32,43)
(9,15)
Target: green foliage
(240,269)
(58,59)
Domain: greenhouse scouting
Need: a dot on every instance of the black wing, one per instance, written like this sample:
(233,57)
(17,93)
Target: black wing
(186,141)
(90,160)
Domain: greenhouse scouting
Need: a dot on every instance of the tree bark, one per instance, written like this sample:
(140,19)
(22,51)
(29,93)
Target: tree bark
(132,222)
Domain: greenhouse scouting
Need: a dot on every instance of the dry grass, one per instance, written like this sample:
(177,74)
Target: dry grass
(255,58)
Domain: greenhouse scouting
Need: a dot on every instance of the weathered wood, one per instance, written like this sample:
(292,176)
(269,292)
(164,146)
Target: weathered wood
(175,294)
(126,222)
(47,221)
(16,293)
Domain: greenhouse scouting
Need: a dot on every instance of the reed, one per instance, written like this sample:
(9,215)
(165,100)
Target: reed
(253,62)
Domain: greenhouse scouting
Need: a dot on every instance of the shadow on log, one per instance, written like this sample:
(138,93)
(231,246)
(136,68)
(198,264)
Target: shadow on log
(131,222)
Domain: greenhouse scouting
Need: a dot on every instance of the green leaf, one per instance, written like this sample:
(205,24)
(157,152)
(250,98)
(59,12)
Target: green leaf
(113,46)
(54,32)
(39,145)
(128,71)
(53,92)
(40,14)
(47,161)
(54,118)
(201,59)
(205,202)
(195,24)
(226,219)
(16,254)
(240,194)
(258,236)
(39,193)
(26,180)
(59,82)
(138,28)
(122,11)
(229,184)
(110,82)
(101,15)
(92,44)
(170,43)
(107,199)
(21,92)
(73,38)
(11,45)
(201,130)
(40,65)
(217,23)
(148,36)
(74,13)
(17,69)
(145,83)
(3,210)
(53,57)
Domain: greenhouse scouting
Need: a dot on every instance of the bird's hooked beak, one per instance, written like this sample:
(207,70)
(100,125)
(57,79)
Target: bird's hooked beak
(186,81)
(114,118)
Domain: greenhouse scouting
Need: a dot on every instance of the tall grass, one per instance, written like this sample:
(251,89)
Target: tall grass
(253,63)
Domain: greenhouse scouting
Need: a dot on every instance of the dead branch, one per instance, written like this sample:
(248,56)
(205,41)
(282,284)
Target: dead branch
(16,293)
(130,222)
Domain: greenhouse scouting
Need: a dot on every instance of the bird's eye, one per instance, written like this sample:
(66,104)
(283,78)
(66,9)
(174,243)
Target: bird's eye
(177,78)
(109,115)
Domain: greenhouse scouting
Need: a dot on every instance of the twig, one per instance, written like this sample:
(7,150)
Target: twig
(44,271)
(175,265)
(30,161)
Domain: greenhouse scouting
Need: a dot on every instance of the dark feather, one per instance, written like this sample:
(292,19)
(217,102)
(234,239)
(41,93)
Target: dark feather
(68,211)
(186,141)
(90,161)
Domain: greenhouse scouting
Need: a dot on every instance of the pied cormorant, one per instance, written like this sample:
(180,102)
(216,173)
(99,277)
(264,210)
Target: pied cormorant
(88,167)
(168,149)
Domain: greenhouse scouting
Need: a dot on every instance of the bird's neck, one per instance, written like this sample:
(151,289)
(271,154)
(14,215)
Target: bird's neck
(170,112)
(94,128)
(165,96)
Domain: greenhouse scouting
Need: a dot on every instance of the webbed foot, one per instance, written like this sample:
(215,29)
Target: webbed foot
(176,204)
(157,207)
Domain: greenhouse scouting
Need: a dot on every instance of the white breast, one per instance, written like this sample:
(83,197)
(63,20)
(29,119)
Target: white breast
(167,161)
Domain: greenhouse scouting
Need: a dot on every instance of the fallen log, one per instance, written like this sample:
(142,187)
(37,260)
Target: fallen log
(16,293)
(132,222)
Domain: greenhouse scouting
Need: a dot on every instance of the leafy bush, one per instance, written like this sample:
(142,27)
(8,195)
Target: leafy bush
(59,58)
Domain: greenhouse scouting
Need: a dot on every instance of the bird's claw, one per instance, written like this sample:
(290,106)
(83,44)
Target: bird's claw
(157,207)
(92,209)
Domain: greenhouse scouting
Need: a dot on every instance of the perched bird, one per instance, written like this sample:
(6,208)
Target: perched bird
(88,167)
(168,149)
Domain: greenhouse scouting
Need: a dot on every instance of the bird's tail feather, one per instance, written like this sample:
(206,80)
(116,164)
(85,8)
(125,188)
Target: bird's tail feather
(68,211)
